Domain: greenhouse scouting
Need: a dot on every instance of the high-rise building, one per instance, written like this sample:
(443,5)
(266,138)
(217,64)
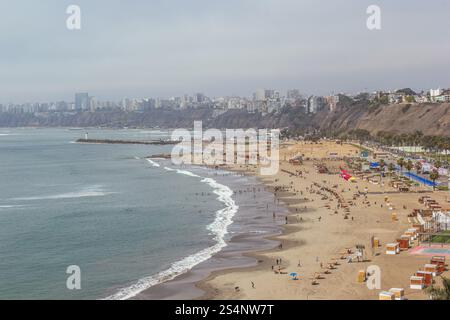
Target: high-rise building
(126,103)
(434,93)
(332,102)
(199,98)
(263,95)
(93,104)
(315,104)
(293,94)
(270,94)
(82,101)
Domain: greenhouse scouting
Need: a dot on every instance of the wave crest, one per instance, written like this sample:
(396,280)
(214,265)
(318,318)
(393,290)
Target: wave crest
(92,191)
(219,228)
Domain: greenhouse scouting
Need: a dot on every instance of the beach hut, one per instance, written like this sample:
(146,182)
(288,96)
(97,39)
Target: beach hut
(432,268)
(439,261)
(361,276)
(376,242)
(399,293)
(412,232)
(416,283)
(392,248)
(403,244)
(407,237)
(386,295)
(427,277)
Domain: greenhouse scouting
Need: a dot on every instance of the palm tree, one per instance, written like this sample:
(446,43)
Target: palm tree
(401,163)
(418,166)
(391,167)
(409,165)
(438,164)
(382,165)
(434,175)
(440,293)
(417,137)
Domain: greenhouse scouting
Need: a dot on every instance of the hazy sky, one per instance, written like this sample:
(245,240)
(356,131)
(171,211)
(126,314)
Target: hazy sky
(149,48)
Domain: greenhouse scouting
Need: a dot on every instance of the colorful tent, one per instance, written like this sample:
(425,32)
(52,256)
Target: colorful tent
(347,176)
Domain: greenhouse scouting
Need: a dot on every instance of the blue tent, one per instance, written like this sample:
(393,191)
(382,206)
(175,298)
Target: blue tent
(374,165)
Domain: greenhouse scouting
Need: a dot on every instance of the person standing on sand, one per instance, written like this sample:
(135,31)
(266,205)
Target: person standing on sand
(253,285)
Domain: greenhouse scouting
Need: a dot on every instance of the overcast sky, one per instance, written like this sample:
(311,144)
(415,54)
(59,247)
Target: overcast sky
(151,48)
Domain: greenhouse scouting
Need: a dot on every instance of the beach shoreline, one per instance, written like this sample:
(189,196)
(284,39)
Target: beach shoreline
(249,231)
(258,255)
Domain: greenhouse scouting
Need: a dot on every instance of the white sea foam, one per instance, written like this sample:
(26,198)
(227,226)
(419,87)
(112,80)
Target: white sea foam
(188,173)
(219,228)
(92,191)
(153,163)
(155,133)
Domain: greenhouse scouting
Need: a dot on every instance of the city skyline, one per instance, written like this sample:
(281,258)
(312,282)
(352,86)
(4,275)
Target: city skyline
(164,49)
(263,100)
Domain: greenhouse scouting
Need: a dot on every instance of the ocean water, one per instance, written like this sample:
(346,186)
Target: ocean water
(127,222)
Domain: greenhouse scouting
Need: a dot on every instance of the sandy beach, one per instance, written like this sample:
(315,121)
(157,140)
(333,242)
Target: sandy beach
(320,234)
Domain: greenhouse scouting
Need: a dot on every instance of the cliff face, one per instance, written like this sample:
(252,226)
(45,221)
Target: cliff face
(431,119)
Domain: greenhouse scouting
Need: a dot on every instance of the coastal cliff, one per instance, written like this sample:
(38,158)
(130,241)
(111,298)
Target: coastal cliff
(398,118)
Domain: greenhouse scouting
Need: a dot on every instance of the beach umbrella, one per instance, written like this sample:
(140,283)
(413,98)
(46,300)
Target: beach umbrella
(294,275)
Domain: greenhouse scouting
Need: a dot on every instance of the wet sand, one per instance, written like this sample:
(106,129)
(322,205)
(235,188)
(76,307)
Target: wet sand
(252,225)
